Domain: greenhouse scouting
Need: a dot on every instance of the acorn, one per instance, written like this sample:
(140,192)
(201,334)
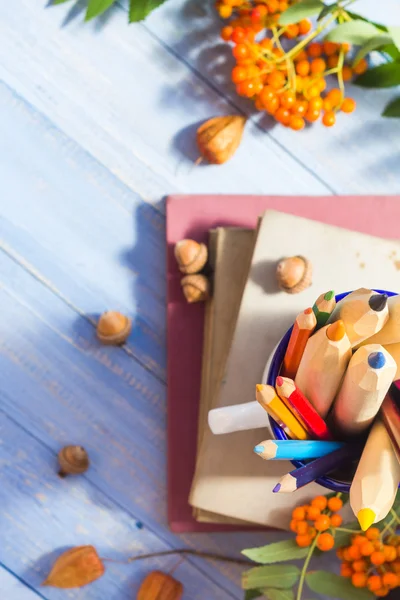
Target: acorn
(294,274)
(196,288)
(113,328)
(219,138)
(73,460)
(190,256)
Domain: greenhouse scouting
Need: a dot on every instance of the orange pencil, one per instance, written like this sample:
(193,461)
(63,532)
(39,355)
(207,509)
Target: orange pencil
(303,327)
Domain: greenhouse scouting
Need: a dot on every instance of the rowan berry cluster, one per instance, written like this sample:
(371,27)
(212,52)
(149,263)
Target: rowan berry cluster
(319,518)
(282,68)
(371,562)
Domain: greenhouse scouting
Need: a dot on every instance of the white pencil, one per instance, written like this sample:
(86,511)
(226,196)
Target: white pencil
(390,332)
(322,366)
(363,312)
(376,480)
(368,377)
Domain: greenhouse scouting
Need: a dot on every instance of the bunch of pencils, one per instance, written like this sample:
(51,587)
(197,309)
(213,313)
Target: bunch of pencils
(336,401)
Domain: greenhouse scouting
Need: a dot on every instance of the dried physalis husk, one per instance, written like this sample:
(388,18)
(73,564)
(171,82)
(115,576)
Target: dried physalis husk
(190,256)
(294,274)
(196,288)
(75,568)
(219,138)
(160,586)
(113,328)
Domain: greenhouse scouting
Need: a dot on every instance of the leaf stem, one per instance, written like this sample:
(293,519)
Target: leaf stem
(348,530)
(183,551)
(305,567)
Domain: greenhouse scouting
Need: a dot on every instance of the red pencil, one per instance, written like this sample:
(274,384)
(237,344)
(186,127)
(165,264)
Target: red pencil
(302,409)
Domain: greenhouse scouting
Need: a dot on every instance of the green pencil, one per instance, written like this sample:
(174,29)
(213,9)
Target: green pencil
(323,307)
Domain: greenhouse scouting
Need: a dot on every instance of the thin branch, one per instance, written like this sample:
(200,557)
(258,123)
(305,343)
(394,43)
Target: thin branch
(183,551)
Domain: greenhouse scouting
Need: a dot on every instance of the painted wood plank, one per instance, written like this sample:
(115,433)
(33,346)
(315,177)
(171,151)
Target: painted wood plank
(64,387)
(13,588)
(129,102)
(43,515)
(359,155)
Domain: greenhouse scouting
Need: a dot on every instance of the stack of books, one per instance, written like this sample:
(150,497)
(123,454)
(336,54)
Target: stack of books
(229,486)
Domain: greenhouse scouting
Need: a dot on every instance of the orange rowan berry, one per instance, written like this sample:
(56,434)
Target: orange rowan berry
(226,33)
(238,74)
(287,99)
(332,61)
(250,33)
(314,50)
(374,583)
(303,67)
(321,84)
(346,47)
(359,566)
(312,531)
(271,105)
(390,553)
(348,106)
(282,115)
(316,104)
(258,86)
(347,73)
(327,105)
(313,513)
(276,79)
(346,570)
(325,542)
(283,6)
(300,108)
(252,71)
(329,118)
(238,35)
(297,123)
(359,580)
(246,88)
(225,11)
(322,523)
(293,525)
(312,115)
(391,580)
(277,52)
(346,555)
(335,504)
(302,55)
(303,540)
(258,13)
(292,31)
(258,104)
(336,520)
(354,552)
(302,527)
(240,51)
(318,65)
(312,91)
(377,558)
(396,566)
(366,549)
(304,26)
(330,48)
(335,97)
(266,44)
(382,592)
(273,6)
(360,67)
(377,544)
(358,540)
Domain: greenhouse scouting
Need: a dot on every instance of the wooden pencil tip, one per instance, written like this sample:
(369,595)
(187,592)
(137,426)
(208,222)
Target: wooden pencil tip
(259,387)
(366,517)
(329,295)
(378,302)
(336,331)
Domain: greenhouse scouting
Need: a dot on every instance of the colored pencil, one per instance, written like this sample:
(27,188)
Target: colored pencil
(367,380)
(321,466)
(303,327)
(394,351)
(390,413)
(323,307)
(363,313)
(376,480)
(323,365)
(238,417)
(390,332)
(302,409)
(294,449)
(268,399)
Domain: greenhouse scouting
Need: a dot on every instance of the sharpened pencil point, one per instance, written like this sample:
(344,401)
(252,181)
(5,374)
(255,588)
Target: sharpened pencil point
(259,449)
(376,360)
(336,331)
(378,302)
(277,488)
(259,387)
(329,295)
(308,311)
(279,381)
(366,518)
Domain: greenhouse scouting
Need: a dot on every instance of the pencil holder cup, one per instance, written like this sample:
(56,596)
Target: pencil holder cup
(275,364)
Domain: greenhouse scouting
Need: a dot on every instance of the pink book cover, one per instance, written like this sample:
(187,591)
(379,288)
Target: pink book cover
(192,217)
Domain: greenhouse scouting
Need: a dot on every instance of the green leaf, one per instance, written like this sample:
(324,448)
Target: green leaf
(278,576)
(139,9)
(251,594)
(389,517)
(323,582)
(277,552)
(328,8)
(392,51)
(274,594)
(373,44)
(97,7)
(392,109)
(357,17)
(383,76)
(342,538)
(299,11)
(59,2)
(395,33)
(355,32)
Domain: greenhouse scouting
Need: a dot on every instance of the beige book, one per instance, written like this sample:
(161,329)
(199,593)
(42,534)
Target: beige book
(230,253)
(231,480)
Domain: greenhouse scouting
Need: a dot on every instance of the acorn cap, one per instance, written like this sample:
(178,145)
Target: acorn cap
(190,256)
(113,328)
(73,460)
(196,288)
(294,274)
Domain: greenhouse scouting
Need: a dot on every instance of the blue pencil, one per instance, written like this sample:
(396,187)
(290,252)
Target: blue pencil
(295,449)
(321,466)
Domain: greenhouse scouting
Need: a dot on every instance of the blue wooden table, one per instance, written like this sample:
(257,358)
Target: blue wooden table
(97,125)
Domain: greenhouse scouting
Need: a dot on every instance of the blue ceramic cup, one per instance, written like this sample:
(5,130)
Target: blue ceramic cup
(279,434)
